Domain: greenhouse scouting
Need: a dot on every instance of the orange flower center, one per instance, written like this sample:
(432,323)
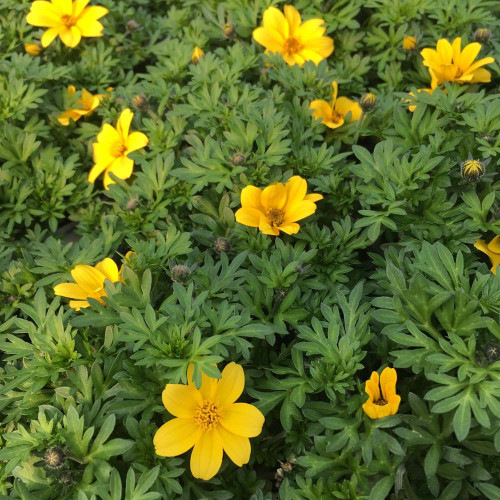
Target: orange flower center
(207,415)
(117,149)
(275,216)
(68,20)
(336,117)
(292,46)
(380,402)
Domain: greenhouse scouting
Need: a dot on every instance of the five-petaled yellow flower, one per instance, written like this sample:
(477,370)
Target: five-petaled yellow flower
(297,41)
(278,207)
(492,250)
(209,419)
(333,114)
(448,63)
(382,398)
(197,55)
(85,106)
(70,20)
(112,147)
(89,283)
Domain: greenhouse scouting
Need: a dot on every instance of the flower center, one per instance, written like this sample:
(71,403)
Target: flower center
(275,216)
(380,402)
(117,149)
(68,20)
(336,117)
(207,415)
(292,46)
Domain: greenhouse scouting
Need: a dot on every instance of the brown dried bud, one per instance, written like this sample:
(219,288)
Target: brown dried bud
(492,351)
(140,102)
(132,25)
(132,204)
(238,159)
(281,293)
(229,30)
(180,273)
(54,457)
(65,478)
(221,245)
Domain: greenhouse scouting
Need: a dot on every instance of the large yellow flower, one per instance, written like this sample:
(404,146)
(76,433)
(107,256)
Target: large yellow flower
(448,63)
(492,250)
(333,114)
(89,283)
(86,105)
(209,419)
(70,20)
(277,207)
(112,147)
(297,41)
(382,398)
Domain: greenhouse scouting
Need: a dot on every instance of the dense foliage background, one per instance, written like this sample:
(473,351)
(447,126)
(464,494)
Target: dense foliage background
(384,274)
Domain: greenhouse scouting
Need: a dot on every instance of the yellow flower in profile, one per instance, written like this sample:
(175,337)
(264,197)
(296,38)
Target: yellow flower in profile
(89,283)
(448,63)
(33,49)
(409,43)
(286,34)
(278,207)
(70,20)
(112,147)
(492,250)
(382,398)
(85,106)
(197,55)
(333,114)
(209,419)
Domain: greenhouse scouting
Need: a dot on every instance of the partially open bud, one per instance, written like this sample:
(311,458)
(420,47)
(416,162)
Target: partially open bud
(197,55)
(132,25)
(221,245)
(409,43)
(229,30)
(140,102)
(472,170)
(180,273)
(368,101)
(482,35)
(238,159)
(33,49)
(54,457)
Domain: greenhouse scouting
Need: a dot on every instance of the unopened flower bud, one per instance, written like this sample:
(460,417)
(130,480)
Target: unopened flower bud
(221,245)
(54,457)
(368,102)
(281,293)
(472,170)
(132,25)
(492,351)
(409,43)
(197,55)
(482,35)
(238,159)
(140,102)
(228,30)
(65,478)
(33,49)
(180,273)
(132,204)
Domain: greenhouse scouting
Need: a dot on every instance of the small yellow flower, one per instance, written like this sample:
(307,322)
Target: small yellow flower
(89,283)
(448,63)
(382,398)
(85,106)
(112,147)
(492,250)
(333,114)
(33,49)
(209,419)
(278,207)
(286,34)
(70,20)
(197,55)
(409,43)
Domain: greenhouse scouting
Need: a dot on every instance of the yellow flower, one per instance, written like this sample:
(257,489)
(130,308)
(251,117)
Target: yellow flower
(86,105)
(70,20)
(448,63)
(492,250)
(382,398)
(297,41)
(33,49)
(89,283)
(409,43)
(112,147)
(209,419)
(277,207)
(197,55)
(333,114)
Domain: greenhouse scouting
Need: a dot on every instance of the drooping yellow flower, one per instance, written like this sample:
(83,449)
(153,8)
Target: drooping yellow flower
(209,419)
(382,398)
(112,147)
(197,55)
(297,41)
(492,250)
(278,207)
(70,20)
(85,106)
(33,49)
(89,283)
(333,114)
(448,63)
(409,43)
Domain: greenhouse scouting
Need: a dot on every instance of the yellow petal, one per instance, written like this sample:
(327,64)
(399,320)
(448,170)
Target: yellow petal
(78,304)
(467,56)
(445,50)
(250,197)
(181,400)
(70,36)
(90,27)
(290,228)
(49,36)
(322,45)
(231,385)
(273,196)
(455,48)
(313,197)
(393,404)
(122,167)
(65,117)
(70,290)
(300,211)
(206,457)
(494,245)
(237,447)
(293,18)
(322,110)
(44,15)
(108,134)
(124,122)
(208,384)
(96,171)
(78,6)
(135,141)
(269,38)
(481,75)
(63,6)
(89,278)
(372,387)
(343,105)
(275,20)
(388,379)
(109,269)
(310,55)
(176,437)
(102,156)
(370,410)
(478,64)
(248,216)
(310,30)
(266,228)
(243,419)
(296,189)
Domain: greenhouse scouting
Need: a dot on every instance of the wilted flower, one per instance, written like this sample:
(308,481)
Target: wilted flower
(297,41)
(278,207)
(221,245)
(368,101)
(492,351)
(228,30)
(409,43)
(85,106)
(448,63)
(472,170)
(197,55)
(65,478)
(492,250)
(33,49)
(209,419)
(333,114)
(69,20)
(482,35)
(132,25)
(180,273)
(89,283)
(140,102)
(54,457)
(238,159)
(382,398)
(112,147)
